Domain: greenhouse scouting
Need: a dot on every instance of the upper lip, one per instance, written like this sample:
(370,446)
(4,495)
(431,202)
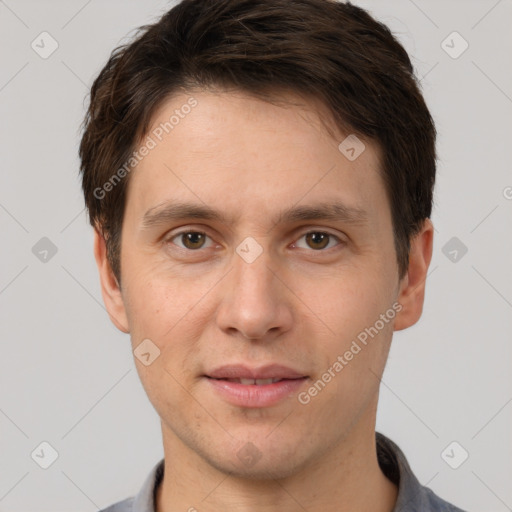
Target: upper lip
(238,371)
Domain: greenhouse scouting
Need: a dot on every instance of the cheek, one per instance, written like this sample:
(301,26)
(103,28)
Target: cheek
(350,300)
(350,376)
(358,310)
(147,305)
(153,299)
(172,312)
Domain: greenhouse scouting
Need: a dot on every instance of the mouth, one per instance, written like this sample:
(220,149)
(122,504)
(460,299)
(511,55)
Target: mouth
(264,375)
(256,382)
(256,393)
(264,387)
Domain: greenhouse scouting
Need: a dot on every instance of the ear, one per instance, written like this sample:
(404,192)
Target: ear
(110,289)
(412,287)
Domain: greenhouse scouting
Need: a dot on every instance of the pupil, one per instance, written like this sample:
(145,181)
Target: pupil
(193,239)
(318,238)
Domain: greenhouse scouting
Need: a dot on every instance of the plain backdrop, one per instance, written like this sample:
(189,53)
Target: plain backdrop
(67,376)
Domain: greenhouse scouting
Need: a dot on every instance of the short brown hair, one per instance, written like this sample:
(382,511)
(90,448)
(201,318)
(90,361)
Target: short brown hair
(324,49)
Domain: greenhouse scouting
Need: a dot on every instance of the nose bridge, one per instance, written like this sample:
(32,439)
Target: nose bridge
(252,301)
(252,274)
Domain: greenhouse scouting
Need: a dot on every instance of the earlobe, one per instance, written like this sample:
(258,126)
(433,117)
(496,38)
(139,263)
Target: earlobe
(110,289)
(412,287)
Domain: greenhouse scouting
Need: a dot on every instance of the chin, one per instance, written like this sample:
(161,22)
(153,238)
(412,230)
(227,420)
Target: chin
(262,470)
(259,459)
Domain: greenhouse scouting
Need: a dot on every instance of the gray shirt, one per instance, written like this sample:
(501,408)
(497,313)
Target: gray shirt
(412,496)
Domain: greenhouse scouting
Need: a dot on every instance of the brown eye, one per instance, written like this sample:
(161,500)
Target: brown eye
(317,240)
(193,240)
(190,239)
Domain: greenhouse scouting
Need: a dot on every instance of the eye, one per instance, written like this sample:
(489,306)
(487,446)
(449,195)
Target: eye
(191,240)
(318,240)
(194,240)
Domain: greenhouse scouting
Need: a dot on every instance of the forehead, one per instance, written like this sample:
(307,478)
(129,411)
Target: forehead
(232,150)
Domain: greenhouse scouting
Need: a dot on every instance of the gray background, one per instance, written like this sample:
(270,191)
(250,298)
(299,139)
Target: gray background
(67,376)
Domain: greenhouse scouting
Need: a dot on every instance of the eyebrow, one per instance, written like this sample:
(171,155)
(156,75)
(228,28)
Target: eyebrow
(170,212)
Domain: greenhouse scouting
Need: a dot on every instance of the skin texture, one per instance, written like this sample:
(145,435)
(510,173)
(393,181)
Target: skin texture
(299,304)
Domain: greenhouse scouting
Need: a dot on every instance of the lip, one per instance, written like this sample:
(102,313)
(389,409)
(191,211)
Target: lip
(240,371)
(255,395)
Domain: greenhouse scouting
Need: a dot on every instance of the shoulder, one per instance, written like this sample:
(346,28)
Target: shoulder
(437,504)
(412,495)
(121,506)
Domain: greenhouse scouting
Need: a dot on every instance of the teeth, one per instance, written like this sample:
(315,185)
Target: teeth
(258,382)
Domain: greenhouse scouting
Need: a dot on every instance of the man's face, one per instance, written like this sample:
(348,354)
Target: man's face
(255,289)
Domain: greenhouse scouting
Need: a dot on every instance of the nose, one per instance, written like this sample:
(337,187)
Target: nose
(255,301)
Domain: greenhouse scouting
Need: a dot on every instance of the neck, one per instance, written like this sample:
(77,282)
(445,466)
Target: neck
(347,478)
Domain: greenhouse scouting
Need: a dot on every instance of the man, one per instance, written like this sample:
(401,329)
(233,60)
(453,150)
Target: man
(259,174)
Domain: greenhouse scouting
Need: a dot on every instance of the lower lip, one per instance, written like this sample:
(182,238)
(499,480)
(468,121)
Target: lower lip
(252,395)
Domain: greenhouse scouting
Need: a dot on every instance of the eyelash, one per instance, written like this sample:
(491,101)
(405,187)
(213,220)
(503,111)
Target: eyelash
(315,231)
